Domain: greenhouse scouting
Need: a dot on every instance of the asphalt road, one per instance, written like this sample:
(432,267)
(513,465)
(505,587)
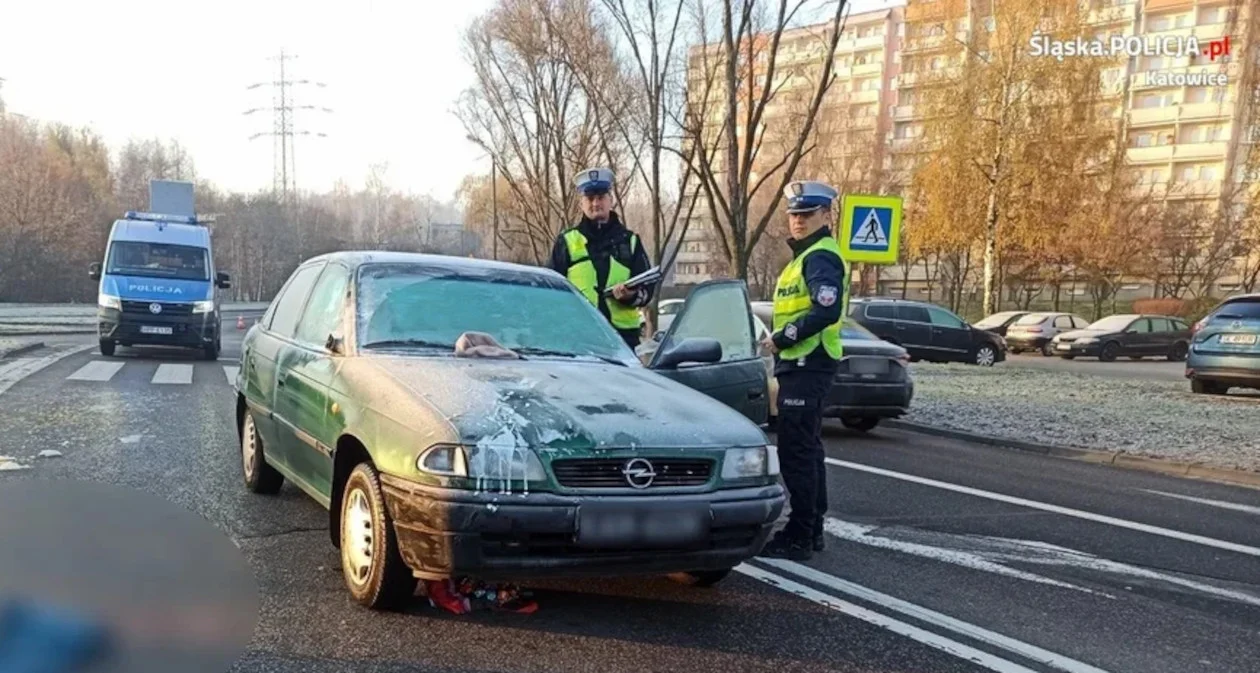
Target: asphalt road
(942,556)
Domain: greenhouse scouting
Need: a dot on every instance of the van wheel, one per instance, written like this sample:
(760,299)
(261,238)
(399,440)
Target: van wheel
(372,567)
(107,348)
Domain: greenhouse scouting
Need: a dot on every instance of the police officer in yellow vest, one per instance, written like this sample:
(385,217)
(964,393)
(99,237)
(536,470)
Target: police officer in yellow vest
(600,253)
(809,304)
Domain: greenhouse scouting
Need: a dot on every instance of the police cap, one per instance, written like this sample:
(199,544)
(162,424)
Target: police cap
(806,196)
(594,181)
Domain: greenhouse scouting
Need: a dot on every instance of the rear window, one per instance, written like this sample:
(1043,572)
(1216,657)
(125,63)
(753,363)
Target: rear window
(1239,309)
(884,311)
(1031,319)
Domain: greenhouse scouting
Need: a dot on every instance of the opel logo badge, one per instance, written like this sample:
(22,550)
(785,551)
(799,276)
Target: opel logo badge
(638,473)
(155,308)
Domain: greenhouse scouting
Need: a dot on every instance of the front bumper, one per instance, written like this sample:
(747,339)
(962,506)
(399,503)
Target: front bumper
(1078,349)
(192,330)
(447,532)
(849,398)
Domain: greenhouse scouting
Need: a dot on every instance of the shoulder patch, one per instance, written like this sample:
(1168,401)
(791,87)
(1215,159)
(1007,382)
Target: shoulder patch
(827,295)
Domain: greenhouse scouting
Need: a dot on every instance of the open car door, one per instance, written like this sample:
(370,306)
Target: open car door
(717,310)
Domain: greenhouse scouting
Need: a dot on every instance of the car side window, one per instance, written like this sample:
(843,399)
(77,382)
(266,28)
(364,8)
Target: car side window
(323,312)
(1063,322)
(1141,326)
(289,305)
(880,311)
(913,313)
(1180,326)
(940,316)
(1160,325)
(719,312)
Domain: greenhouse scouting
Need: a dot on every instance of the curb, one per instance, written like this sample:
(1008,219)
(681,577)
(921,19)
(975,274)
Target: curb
(1176,468)
(20,350)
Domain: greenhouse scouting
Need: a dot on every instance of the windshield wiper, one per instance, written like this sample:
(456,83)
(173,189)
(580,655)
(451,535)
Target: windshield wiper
(418,343)
(531,350)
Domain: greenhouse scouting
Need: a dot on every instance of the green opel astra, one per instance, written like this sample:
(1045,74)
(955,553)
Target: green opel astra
(553,451)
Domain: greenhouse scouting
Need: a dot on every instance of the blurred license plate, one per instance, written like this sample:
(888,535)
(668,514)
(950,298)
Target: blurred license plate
(1064,347)
(1238,339)
(148,329)
(868,366)
(640,525)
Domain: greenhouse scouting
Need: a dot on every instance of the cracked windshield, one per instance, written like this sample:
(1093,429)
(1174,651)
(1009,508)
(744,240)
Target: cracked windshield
(854,336)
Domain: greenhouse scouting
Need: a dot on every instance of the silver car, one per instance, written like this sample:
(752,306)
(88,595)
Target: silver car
(1035,331)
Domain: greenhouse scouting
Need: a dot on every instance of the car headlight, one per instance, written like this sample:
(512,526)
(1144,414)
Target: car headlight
(748,462)
(492,463)
(1086,340)
(109,301)
(203,306)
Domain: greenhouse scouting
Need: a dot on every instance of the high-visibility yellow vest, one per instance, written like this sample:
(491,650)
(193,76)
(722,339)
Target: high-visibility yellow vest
(582,274)
(792,301)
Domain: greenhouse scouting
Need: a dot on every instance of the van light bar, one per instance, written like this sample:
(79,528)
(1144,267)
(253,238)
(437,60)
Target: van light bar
(161,217)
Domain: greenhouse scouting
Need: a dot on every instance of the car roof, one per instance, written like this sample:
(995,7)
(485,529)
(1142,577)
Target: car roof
(354,258)
(170,233)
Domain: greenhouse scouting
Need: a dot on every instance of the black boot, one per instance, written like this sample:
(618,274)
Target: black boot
(782,546)
(820,542)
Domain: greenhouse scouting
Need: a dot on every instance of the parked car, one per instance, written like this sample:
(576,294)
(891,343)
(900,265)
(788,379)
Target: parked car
(873,381)
(1035,331)
(927,331)
(1131,335)
(666,311)
(998,323)
(1225,349)
(568,457)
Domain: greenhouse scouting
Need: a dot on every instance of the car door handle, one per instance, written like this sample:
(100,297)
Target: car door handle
(756,394)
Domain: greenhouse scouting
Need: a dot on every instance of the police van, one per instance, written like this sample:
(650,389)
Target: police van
(158,285)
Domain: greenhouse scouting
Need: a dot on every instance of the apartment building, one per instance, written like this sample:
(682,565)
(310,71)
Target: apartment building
(1186,142)
(851,123)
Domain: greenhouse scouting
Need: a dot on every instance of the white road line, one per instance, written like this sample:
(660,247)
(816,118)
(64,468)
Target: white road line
(97,370)
(1026,650)
(1249,509)
(928,638)
(168,373)
(11,373)
(230,372)
(1045,507)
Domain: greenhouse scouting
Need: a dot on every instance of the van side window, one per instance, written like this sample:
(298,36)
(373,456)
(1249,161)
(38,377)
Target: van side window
(912,313)
(883,311)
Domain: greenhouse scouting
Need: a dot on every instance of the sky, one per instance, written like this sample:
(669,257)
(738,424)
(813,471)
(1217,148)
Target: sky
(393,70)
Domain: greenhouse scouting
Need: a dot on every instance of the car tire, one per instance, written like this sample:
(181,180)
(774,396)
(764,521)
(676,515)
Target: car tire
(1109,352)
(107,348)
(701,578)
(1201,387)
(1016,351)
(371,564)
(1047,349)
(984,356)
(1178,352)
(260,477)
(1068,357)
(860,424)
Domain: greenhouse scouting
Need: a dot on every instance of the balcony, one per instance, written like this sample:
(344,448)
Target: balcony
(862,121)
(914,45)
(867,96)
(1152,116)
(867,69)
(1110,15)
(1151,155)
(1193,189)
(904,144)
(869,42)
(1212,110)
(1212,151)
(903,112)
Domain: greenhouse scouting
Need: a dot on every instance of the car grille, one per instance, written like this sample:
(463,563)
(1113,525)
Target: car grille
(606,472)
(142,308)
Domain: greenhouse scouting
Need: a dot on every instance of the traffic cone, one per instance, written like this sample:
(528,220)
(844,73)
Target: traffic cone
(240,322)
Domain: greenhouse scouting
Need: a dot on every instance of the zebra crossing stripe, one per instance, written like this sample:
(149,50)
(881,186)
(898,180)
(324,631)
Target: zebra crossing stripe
(230,372)
(97,370)
(178,374)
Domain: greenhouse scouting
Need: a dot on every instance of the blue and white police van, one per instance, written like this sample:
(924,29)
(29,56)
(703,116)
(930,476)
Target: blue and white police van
(159,285)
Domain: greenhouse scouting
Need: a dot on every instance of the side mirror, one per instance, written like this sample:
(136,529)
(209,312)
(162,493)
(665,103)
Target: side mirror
(223,280)
(695,349)
(334,344)
(94,271)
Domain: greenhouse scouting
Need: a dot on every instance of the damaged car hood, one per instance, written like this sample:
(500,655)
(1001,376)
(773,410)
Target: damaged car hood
(565,404)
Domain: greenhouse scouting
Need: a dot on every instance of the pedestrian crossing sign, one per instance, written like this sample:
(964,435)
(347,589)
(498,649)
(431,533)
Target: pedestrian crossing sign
(870,228)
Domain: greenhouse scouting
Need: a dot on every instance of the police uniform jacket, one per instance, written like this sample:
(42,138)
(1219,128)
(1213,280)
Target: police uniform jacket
(825,275)
(611,239)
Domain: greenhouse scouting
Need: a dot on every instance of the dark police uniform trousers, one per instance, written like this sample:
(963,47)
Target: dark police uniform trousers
(801,457)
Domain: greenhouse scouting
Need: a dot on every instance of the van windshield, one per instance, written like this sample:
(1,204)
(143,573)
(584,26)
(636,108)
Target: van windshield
(157,260)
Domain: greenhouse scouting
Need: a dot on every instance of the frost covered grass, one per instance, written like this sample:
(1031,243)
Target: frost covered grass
(1139,416)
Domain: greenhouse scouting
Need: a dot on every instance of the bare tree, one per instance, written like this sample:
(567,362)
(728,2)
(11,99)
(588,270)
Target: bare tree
(728,151)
